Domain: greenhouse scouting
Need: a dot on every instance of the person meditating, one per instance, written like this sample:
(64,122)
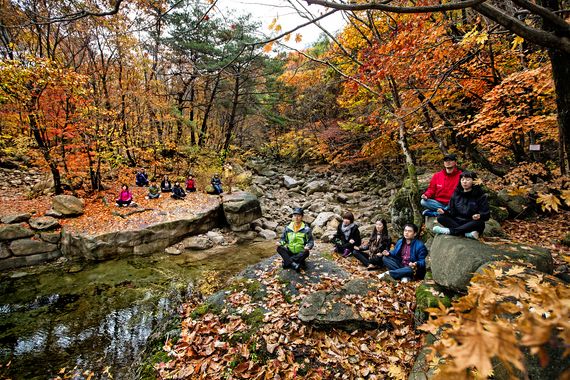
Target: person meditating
(441,186)
(296,242)
(467,212)
(379,242)
(347,235)
(125,196)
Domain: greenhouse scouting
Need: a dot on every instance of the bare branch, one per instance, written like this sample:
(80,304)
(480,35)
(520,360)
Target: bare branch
(395,8)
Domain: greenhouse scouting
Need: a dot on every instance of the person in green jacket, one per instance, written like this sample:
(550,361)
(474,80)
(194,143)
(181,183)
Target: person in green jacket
(296,242)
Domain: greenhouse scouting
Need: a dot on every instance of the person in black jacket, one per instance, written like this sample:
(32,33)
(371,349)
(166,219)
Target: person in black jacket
(165,185)
(178,192)
(468,210)
(347,235)
(379,241)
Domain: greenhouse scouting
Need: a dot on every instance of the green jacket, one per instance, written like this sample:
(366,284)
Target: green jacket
(296,241)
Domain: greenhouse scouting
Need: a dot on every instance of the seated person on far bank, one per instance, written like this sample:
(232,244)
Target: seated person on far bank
(153,191)
(408,258)
(379,242)
(468,210)
(190,184)
(141,178)
(166,185)
(217,184)
(296,242)
(441,186)
(178,192)
(125,196)
(347,235)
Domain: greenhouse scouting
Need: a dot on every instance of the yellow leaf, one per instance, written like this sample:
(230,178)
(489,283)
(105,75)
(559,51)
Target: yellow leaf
(287,37)
(565,195)
(272,25)
(298,37)
(517,42)
(267,48)
(548,202)
(519,190)
(515,270)
(277,28)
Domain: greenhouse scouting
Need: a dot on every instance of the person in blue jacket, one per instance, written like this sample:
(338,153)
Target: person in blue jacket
(408,258)
(141,179)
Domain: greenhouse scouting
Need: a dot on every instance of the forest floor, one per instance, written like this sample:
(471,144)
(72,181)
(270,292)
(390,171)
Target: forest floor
(103,215)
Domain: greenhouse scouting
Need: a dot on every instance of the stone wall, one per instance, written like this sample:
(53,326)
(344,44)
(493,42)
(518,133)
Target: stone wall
(27,241)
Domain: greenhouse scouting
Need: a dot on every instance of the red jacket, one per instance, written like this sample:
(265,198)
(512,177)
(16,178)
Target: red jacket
(190,184)
(442,185)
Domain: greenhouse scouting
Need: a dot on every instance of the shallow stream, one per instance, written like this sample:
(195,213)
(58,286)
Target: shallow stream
(99,317)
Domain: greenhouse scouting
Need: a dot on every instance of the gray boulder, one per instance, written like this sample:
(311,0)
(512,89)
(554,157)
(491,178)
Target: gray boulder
(515,204)
(322,219)
(454,260)
(289,182)
(53,213)
(316,186)
(196,243)
(16,218)
(324,308)
(27,247)
(14,231)
(68,205)
(44,223)
(241,208)
(4,251)
(267,234)
(216,237)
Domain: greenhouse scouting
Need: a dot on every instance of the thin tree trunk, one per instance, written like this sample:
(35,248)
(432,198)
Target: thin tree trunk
(232,121)
(204,127)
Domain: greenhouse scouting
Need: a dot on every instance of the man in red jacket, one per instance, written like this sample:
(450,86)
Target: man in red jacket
(441,186)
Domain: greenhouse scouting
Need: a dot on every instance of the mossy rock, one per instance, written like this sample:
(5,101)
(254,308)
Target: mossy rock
(429,295)
(499,213)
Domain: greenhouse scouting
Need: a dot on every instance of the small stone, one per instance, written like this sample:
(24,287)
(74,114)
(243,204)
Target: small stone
(44,223)
(173,251)
(16,218)
(51,212)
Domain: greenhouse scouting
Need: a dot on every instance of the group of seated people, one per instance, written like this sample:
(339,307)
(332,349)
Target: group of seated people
(461,208)
(176,191)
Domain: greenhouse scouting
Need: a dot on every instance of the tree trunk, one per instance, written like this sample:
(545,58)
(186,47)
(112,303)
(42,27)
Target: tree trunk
(204,127)
(232,121)
(560,62)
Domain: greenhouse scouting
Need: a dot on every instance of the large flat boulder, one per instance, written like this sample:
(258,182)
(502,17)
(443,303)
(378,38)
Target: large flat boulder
(68,205)
(325,309)
(27,247)
(241,208)
(454,260)
(14,231)
(16,218)
(145,241)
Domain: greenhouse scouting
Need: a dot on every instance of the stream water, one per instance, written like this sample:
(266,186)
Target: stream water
(100,318)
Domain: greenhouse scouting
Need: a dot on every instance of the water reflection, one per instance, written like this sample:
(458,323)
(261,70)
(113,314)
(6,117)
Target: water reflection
(100,317)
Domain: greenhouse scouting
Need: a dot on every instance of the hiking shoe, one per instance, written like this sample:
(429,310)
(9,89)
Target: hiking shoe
(430,213)
(383,275)
(405,279)
(296,266)
(441,230)
(346,253)
(472,235)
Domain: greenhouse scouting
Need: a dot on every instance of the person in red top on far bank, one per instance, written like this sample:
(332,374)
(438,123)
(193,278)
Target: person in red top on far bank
(441,187)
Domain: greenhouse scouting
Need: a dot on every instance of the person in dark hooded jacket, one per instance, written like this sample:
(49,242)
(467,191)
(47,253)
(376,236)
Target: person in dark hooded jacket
(468,210)
(347,235)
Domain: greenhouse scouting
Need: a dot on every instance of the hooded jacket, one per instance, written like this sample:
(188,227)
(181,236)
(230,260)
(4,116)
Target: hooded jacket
(442,185)
(296,241)
(463,205)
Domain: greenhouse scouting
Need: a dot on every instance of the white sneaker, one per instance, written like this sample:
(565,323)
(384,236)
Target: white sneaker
(383,275)
(405,279)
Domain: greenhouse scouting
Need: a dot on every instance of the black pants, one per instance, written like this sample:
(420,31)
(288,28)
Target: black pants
(123,203)
(460,227)
(365,258)
(290,258)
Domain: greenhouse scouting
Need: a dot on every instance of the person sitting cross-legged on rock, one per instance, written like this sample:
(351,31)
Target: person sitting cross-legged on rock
(125,196)
(408,258)
(296,242)
(166,185)
(190,184)
(141,178)
(347,235)
(379,242)
(468,210)
(217,184)
(153,191)
(441,186)
(178,192)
